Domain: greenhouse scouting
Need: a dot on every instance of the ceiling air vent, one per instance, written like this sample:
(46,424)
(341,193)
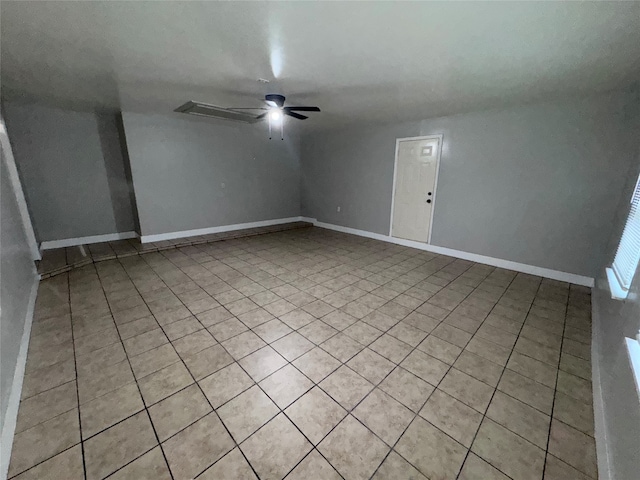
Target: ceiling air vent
(206,110)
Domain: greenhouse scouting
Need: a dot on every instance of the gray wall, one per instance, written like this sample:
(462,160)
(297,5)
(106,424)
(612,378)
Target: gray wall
(536,184)
(72,170)
(17,274)
(613,320)
(190,174)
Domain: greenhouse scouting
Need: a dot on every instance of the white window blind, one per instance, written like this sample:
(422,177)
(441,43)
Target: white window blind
(628,253)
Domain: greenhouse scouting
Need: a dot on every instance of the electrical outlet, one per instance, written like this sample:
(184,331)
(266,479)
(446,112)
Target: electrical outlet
(339,208)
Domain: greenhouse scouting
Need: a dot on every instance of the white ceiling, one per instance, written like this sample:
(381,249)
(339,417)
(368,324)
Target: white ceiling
(360,61)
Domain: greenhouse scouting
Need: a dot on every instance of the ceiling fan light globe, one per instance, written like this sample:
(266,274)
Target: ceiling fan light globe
(275,115)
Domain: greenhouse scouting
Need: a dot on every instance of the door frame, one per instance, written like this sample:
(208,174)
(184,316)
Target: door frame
(438,136)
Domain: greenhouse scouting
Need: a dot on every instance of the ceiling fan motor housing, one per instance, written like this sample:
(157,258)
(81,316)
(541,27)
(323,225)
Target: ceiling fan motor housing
(275,98)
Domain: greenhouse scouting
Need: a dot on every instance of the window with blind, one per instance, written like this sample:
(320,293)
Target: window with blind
(627,256)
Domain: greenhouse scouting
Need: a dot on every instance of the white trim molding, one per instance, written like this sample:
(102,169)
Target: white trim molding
(72,242)
(474,257)
(158,237)
(14,178)
(600,428)
(11,415)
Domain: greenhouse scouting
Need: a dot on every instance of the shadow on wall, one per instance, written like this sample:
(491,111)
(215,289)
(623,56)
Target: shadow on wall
(118,169)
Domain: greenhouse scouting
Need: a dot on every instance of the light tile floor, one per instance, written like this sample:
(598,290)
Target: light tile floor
(306,354)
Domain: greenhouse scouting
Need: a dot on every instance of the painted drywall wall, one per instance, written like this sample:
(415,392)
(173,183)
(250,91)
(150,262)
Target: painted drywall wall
(191,174)
(72,170)
(613,320)
(16,283)
(536,184)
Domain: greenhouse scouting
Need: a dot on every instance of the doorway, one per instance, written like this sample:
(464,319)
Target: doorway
(414,187)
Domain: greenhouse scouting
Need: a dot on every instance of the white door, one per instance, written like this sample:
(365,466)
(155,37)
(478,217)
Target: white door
(414,191)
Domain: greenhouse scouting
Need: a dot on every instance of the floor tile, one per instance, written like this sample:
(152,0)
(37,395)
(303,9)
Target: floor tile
(442,350)
(475,468)
(525,461)
(229,328)
(46,405)
(396,467)
(342,347)
(453,417)
(353,450)
(315,414)
(178,411)
(432,452)
(197,447)
(207,361)
(193,343)
(296,319)
(317,332)
(153,360)
(527,391)
(574,413)
(428,368)
(362,333)
(313,466)
(384,416)
(47,378)
(316,364)
(109,409)
(67,465)
(272,330)
(391,348)
(491,351)
(556,469)
(164,382)
(118,445)
(242,345)
(225,384)
(247,412)
(104,381)
(371,366)
(150,466)
(262,363)
(346,387)
(520,418)
(467,389)
(407,388)
(479,368)
(573,447)
(285,386)
(274,460)
(533,369)
(292,346)
(232,465)
(52,437)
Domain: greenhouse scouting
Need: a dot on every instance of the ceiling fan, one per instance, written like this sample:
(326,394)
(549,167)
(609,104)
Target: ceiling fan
(276,111)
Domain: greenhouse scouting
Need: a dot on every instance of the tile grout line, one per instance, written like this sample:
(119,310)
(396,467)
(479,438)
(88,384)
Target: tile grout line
(555,388)
(213,410)
(75,366)
(417,414)
(484,414)
(144,405)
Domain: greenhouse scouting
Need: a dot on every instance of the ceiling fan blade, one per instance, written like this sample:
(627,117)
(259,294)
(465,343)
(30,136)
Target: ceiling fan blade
(294,115)
(302,109)
(259,117)
(247,108)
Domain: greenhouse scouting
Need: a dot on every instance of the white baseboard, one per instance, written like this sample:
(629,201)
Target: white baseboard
(474,257)
(223,228)
(72,242)
(11,415)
